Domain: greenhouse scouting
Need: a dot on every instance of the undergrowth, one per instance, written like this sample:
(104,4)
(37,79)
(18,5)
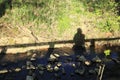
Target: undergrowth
(58,17)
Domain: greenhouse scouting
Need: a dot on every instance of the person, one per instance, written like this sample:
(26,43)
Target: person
(79,41)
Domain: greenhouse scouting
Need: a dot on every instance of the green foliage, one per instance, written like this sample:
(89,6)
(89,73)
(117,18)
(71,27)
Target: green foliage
(60,14)
(108,25)
(105,11)
(107,52)
(64,23)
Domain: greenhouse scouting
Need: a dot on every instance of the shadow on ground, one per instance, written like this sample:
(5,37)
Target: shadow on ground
(56,63)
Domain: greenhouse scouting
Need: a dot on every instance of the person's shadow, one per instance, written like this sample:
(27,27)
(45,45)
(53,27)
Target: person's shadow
(79,42)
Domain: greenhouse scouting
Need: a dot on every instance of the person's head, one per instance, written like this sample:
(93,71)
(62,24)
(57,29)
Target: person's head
(79,30)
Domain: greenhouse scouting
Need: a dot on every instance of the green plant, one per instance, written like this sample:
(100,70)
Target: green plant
(57,17)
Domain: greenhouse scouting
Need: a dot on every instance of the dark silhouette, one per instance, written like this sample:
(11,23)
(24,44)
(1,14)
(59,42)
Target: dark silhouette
(4,5)
(3,52)
(92,46)
(79,40)
(50,49)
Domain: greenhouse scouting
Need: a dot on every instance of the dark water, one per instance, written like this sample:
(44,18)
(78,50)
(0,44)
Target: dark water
(111,71)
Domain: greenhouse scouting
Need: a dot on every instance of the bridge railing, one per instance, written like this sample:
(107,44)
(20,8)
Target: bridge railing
(92,41)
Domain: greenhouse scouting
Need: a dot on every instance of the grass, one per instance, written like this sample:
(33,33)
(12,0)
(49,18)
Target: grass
(55,18)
